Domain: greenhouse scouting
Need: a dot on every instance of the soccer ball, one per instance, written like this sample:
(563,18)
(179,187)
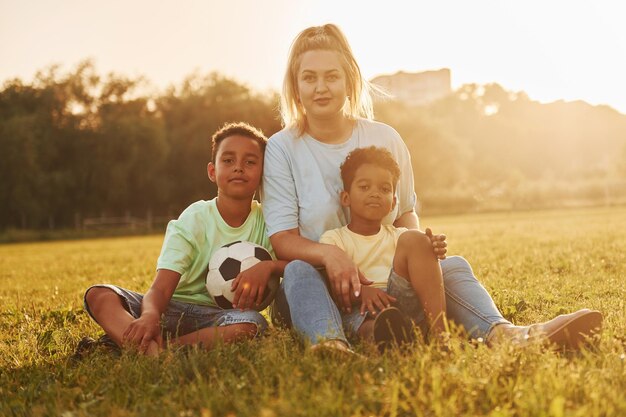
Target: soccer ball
(227,262)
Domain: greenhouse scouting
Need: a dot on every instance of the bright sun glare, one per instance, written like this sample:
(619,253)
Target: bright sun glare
(551,50)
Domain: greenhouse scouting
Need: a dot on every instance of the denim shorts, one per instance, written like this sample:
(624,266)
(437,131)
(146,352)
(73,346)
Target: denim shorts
(182,318)
(407,302)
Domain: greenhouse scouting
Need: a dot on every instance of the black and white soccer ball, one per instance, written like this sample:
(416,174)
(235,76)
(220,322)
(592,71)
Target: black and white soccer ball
(225,265)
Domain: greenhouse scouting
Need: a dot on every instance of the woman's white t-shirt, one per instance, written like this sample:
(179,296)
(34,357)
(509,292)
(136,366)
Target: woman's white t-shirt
(302,181)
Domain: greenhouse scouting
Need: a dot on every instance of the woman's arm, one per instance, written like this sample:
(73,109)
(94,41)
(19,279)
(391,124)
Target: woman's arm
(290,245)
(408,220)
(344,276)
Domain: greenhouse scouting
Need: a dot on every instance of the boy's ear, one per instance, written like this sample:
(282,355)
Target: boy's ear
(344,199)
(393,203)
(210,169)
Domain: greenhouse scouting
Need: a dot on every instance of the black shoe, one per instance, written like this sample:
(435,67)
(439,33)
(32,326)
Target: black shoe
(391,328)
(87,344)
(108,344)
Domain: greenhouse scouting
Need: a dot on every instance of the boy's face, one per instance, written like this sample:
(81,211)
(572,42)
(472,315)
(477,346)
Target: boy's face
(237,168)
(371,196)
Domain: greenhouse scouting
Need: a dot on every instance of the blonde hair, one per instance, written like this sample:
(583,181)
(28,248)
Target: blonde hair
(328,37)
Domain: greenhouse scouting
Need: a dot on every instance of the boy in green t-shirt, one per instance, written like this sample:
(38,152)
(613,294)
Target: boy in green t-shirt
(178,306)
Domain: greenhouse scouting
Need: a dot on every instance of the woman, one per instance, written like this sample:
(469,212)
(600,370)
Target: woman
(327,111)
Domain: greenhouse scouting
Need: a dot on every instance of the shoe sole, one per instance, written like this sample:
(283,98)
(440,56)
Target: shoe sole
(390,328)
(575,333)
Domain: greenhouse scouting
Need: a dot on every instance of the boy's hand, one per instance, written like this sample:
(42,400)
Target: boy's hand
(439,244)
(344,277)
(249,286)
(140,332)
(374,300)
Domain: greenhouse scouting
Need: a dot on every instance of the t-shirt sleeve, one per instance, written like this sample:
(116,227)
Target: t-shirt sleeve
(279,196)
(327,238)
(331,237)
(179,246)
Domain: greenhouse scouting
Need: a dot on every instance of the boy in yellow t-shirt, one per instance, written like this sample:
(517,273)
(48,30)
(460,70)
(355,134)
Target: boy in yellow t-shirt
(178,306)
(383,253)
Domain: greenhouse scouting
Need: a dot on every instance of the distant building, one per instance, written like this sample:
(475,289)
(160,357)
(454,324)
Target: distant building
(417,88)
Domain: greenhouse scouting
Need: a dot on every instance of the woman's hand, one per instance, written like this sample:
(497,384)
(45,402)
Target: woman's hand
(439,244)
(344,277)
(249,286)
(140,332)
(374,300)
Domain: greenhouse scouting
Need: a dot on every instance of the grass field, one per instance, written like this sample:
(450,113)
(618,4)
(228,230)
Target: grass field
(536,265)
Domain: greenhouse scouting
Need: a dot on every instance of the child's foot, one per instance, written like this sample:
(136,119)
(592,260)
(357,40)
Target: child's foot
(153,349)
(391,328)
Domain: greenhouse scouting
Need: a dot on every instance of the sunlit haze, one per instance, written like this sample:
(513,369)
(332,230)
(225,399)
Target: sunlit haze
(550,49)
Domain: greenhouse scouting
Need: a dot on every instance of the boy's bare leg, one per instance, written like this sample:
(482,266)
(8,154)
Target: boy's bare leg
(414,260)
(210,336)
(366,331)
(106,307)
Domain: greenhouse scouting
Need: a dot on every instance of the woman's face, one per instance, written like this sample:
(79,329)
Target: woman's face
(321,84)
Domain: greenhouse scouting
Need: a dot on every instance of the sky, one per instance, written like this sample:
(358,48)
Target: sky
(551,49)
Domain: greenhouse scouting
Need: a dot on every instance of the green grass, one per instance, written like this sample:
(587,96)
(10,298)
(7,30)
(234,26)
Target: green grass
(535,264)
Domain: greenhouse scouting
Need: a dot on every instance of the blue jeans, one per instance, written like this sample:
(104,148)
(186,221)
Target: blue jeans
(304,302)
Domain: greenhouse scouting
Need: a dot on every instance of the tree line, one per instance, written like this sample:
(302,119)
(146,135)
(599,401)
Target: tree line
(486,148)
(79,144)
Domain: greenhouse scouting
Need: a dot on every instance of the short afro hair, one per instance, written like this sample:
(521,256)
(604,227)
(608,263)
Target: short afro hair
(240,129)
(380,157)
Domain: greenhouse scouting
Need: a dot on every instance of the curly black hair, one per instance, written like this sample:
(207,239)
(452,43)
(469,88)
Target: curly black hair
(241,129)
(380,157)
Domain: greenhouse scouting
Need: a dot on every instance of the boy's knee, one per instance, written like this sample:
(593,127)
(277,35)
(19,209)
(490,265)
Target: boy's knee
(94,296)
(414,240)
